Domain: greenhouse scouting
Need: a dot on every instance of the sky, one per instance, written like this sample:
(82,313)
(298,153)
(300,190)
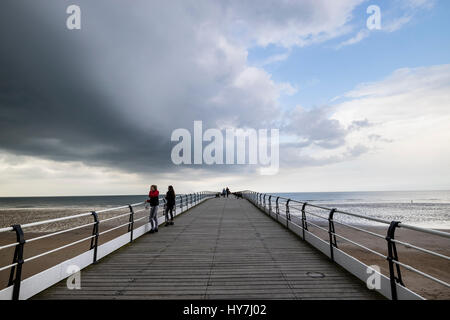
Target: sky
(91,111)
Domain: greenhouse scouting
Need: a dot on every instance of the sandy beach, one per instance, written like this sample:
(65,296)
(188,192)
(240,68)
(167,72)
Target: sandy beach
(429,289)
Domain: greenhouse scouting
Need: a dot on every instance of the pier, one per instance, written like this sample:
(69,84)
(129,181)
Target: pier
(255,246)
(222,249)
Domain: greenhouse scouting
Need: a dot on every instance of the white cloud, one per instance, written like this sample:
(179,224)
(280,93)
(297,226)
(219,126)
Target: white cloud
(401,13)
(396,24)
(402,143)
(410,113)
(413,4)
(362,34)
(275,58)
(289,23)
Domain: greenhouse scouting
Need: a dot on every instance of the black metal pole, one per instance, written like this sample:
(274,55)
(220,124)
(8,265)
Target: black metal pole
(94,240)
(288,214)
(331,232)
(304,223)
(277,207)
(15,276)
(131,220)
(392,255)
(270,204)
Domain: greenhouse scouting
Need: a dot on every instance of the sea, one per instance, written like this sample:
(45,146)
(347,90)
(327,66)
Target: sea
(429,209)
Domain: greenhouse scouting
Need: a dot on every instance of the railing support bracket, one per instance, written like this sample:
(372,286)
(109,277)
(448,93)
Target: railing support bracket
(288,214)
(331,232)
(304,223)
(94,240)
(15,276)
(392,255)
(131,225)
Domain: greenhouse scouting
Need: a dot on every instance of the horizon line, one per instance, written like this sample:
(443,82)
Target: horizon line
(130,195)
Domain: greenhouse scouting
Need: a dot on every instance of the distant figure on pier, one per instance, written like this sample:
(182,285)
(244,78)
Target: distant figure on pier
(154,203)
(228,192)
(170,199)
(224,192)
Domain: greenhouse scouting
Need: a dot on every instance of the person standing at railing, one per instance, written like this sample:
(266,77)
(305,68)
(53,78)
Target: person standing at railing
(154,203)
(170,199)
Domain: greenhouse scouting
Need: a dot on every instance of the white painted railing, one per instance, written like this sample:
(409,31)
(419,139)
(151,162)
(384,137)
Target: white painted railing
(296,216)
(26,288)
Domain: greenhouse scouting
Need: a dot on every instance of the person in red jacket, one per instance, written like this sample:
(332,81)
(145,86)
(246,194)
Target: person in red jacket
(154,203)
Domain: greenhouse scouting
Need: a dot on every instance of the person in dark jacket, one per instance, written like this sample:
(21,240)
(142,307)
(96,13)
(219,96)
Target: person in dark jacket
(170,203)
(154,203)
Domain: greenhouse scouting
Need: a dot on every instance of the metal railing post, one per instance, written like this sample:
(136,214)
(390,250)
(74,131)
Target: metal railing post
(15,276)
(264,203)
(181,203)
(175,207)
(304,223)
(277,208)
(164,207)
(392,255)
(94,240)
(331,232)
(270,205)
(131,222)
(288,214)
(187,203)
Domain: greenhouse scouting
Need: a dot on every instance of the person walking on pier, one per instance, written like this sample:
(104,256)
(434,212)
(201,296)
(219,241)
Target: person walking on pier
(154,203)
(228,192)
(170,199)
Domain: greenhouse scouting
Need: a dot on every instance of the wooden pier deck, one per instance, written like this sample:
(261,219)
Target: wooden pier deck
(221,249)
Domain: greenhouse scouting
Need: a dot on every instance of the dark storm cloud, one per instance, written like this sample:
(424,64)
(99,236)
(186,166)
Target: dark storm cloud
(50,103)
(112,93)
